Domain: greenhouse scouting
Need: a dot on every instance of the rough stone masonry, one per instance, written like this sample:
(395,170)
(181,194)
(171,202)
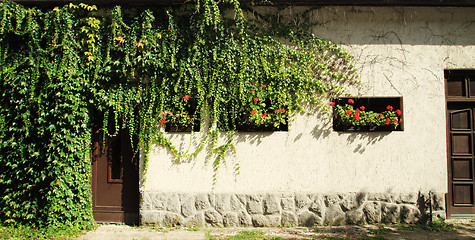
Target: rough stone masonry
(272,210)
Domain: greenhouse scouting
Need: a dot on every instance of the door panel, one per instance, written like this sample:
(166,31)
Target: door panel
(114,177)
(461,132)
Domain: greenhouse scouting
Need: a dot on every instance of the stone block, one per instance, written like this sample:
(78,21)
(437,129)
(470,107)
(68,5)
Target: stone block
(372,212)
(409,213)
(331,200)
(173,219)
(151,217)
(271,204)
(318,207)
(173,203)
(236,204)
(361,198)
(347,201)
(214,218)
(302,201)
(334,216)
(260,221)
(202,201)
(409,198)
(288,203)
(230,219)
(289,219)
(274,220)
(254,204)
(222,203)
(158,201)
(245,219)
(355,217)
(309,219)
(188,207)
(389,213)
(197,220)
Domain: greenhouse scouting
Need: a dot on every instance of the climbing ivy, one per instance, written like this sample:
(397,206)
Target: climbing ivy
(201,63)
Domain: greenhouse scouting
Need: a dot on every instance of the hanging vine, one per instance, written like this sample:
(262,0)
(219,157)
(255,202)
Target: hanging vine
(186,65)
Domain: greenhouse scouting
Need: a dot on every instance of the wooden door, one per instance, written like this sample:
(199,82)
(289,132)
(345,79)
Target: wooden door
(460,139)
(115,177)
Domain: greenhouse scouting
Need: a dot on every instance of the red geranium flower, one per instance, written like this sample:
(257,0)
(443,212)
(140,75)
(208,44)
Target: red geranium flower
(332,104)
(362,108)
(388,121)
(252,90)
(357,112)
(389,107)
(282,110)
(187,97)
(400,120)
(349,112)
(398,112)
(380,115)
(162,120)
(357,117)
(256,99)
(350,101)
(277,110)
(264,86)
(264,115)
(253,112)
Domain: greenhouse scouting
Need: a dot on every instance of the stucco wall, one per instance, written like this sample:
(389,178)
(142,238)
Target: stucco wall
(399,51)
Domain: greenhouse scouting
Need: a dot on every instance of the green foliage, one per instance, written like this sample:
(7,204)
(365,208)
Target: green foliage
(63,67)
(253,235)
(27,232)
(439,225)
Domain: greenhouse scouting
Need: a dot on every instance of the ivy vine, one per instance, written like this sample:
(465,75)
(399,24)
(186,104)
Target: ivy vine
(205,64)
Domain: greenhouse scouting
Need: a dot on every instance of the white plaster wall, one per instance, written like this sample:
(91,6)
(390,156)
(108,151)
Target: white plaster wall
(399,51)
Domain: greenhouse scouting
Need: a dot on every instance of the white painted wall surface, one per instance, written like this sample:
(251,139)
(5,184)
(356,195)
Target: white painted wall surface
(399,51)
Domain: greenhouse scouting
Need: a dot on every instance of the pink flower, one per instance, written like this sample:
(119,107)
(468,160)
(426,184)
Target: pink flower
(253,112)
(256,99)
(362,108)
(398,112)
(332,104)
(349,112)
(350,101)
(187,97)
(389,107)
(163,120)
(164,113)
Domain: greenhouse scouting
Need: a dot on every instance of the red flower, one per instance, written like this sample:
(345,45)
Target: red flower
(357,112)
(398,112)
(357,117)
(277,110)
(350,101)
(389,107)
(349,112)
(253,112)
(400,120)
(362,108)
(252,90)
(187,97)
(193,120)
(256,99)
(264,115)
(388,121)
(264,86)
(332,104)
(380,115)
(395,121)
(162,120)
(282,110)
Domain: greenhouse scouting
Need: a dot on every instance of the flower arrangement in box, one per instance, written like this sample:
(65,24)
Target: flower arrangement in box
(263,112)
(180,119)
(351,116)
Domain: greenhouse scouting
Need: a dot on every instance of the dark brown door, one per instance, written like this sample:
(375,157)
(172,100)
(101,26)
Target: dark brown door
(115,177)
(460,138)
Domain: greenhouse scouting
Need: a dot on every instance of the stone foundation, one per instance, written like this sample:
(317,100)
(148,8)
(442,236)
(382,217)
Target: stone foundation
(272,210)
